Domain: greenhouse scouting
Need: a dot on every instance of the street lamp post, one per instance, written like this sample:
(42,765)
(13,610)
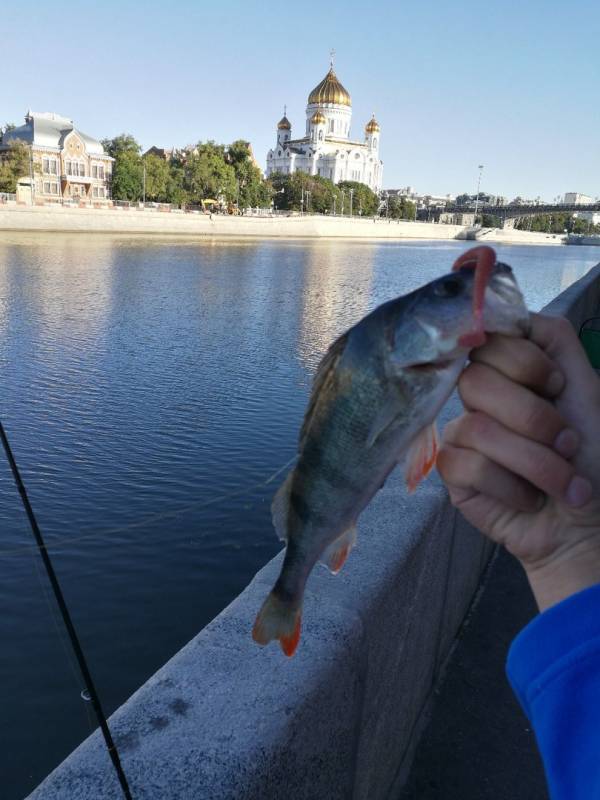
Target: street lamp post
(351,195)
(343,196)
(480,168)
(144,185)
(334,198)
(31,177)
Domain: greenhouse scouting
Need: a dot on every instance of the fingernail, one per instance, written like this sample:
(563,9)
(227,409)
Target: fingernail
(579,492)
(555,383)
(567,442)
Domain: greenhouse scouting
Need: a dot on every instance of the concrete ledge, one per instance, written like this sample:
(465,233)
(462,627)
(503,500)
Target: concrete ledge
(124,220)
(227,720)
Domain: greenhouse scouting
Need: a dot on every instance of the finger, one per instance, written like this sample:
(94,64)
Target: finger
(535,462)
(470,471)
(483,388)
(523,361)
(557,338)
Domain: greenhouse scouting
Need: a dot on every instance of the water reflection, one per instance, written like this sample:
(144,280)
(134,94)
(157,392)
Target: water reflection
(335,294)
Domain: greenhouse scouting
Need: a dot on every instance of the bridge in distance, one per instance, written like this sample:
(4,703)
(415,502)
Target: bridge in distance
(508,214)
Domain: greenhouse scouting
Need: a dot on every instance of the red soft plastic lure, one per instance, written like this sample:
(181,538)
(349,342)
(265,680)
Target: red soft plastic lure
(482,259)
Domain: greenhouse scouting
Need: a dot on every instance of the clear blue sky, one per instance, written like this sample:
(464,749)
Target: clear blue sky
(511,85)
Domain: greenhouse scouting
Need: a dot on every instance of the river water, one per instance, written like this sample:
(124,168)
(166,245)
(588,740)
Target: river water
(151,388)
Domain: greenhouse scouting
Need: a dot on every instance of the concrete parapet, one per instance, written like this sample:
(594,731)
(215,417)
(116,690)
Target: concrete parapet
(145,221)
(227,720)
(580,301)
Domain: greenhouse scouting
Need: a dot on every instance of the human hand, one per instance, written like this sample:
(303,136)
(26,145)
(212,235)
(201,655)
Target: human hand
(523,462)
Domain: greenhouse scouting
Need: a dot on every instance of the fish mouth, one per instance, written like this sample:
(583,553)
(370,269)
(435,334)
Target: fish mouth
(432,366)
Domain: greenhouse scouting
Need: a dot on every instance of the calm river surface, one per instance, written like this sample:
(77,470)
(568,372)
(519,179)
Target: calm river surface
(142,380)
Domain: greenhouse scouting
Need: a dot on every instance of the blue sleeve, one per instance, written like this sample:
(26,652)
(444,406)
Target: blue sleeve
(554,669)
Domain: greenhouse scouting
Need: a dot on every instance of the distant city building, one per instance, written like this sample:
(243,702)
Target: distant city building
(435,200)
(66,163)
(523,201)
(577,199)
(469,200)
(593,217)
(326,148)
(457,218)
(161,152)
(407,191)
(421,200)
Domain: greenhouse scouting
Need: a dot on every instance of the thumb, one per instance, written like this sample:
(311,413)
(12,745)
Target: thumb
(579,401)
(556,336)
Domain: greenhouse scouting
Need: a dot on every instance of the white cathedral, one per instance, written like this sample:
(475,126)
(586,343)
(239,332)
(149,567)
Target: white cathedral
(326,148)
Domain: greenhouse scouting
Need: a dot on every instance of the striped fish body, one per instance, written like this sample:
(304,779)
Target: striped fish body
(375,398)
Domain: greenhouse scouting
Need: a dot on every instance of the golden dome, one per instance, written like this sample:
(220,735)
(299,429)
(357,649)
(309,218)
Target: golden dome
(372,125)
(318,118)
(284,124)
(330,90)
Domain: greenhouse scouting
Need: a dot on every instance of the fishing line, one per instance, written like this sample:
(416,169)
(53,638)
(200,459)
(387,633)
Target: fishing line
(59,632)
(57,542)
(89,683)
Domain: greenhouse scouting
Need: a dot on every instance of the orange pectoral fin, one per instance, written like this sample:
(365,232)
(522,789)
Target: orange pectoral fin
(421,456)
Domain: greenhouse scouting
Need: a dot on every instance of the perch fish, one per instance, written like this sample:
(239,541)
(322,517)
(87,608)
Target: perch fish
(374,401)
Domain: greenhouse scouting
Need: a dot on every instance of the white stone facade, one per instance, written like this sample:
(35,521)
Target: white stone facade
(326,148)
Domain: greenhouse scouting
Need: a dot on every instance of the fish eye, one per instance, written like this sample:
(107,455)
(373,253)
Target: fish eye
(449,287)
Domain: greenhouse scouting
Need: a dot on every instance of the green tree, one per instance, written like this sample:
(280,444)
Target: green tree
(207,175)
(303,192)
(463,199)
(6,128)
(399,208)
(127,175)
(176,193)
(364,200)
(251,189)
(552,223)
(15,164)
(490,221)
(158,175)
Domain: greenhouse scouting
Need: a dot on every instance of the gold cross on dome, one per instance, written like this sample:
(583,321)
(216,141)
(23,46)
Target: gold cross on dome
(332,55)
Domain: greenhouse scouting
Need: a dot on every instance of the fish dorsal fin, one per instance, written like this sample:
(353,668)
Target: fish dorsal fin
(323,382)
(280,508)
(338,551)
(421,456)
(389,412)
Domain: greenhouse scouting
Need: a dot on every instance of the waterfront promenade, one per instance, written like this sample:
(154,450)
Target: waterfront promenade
(133,220)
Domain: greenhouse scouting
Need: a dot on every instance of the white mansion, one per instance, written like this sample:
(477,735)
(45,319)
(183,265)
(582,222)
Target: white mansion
(326,148)
(65,162)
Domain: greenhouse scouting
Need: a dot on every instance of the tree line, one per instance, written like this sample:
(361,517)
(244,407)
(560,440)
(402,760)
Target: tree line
(207,171)
(546,223)
(227,173)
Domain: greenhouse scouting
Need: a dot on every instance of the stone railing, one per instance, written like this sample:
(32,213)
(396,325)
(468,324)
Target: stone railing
(227,720)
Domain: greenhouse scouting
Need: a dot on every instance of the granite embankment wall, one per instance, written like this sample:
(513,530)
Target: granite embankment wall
(227,720)
(513,236)
(61,219)
(122,220)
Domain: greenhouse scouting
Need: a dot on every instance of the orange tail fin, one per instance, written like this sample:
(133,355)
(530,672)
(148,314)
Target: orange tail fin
(278,620)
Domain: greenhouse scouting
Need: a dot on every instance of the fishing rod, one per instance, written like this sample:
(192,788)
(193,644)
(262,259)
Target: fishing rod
(87,678)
